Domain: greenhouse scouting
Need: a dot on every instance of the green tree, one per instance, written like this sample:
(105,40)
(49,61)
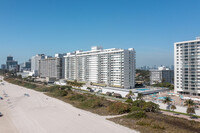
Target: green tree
(140,96)
(167,100)
(130,94)
(173,107)
(189,103)
(151,107)
(191,110)
(190,106)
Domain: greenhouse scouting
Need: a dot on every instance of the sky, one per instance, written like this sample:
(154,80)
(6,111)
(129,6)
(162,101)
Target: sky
(29,27)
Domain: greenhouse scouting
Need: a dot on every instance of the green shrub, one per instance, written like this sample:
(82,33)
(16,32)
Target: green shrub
(136,114)
(29,85)
(129,101)
(42,89)
(119,108)
(53,88)
(135,108)
(92,103)
(65,87)
(139,103)
(77,97)
(151,107)
(60,93)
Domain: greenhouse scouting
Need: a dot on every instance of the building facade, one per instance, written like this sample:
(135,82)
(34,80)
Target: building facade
(26,66)
(35,63)
(3,66)
(50,67)
(162,74)
(187,67)
(113,67)
(11,64)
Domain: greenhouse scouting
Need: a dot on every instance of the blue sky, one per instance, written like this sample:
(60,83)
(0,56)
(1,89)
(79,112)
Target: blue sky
(28,27)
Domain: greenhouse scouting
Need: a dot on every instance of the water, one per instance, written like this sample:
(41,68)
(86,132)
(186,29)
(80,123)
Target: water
(144,89)
(163,98)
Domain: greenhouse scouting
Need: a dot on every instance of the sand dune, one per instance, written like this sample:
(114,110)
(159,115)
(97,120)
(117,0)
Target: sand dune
(42,114)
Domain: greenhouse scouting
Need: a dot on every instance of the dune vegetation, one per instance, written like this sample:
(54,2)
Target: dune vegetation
(140,115)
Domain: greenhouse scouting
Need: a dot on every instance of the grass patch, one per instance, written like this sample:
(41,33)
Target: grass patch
(143,116)
(87,101)
(158,123)
(180,113)
(119,108)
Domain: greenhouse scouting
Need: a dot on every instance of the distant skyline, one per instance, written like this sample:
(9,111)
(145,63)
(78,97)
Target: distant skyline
(29,27)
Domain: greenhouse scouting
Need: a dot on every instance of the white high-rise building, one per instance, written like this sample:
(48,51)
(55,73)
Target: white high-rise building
(51,67)
(113,67)
(187,67)
(35,63)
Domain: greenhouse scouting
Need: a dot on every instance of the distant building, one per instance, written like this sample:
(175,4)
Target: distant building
(3,66)
(162,74)
(26,66)
(11,64)
(187,67)
(113,67)
(50,67)
(172,67)
(35,63)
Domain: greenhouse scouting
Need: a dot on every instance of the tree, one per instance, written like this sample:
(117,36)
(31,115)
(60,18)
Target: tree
(173,107)
(163,80)
(167,101)
(190,110)
(130,94)
(151,107)
(140,96)
(190,106)
(189,103)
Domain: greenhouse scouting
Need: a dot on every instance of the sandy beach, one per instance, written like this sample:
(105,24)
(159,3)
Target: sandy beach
(39,113)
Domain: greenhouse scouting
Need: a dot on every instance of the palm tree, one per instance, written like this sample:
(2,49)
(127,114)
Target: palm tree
(167,101)
(140,96)
(191,110)
(173,107)
(189,103)
(130,94)
(190,106)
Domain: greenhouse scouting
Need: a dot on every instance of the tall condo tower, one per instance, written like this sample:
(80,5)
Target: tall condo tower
(187,67)
(113,67)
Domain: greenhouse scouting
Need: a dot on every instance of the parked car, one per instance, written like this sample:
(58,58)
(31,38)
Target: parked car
(1,114)
(1,98)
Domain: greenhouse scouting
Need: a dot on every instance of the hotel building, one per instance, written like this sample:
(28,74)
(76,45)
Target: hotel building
(35,63)
(187,67)
(112,67)
(50,67)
